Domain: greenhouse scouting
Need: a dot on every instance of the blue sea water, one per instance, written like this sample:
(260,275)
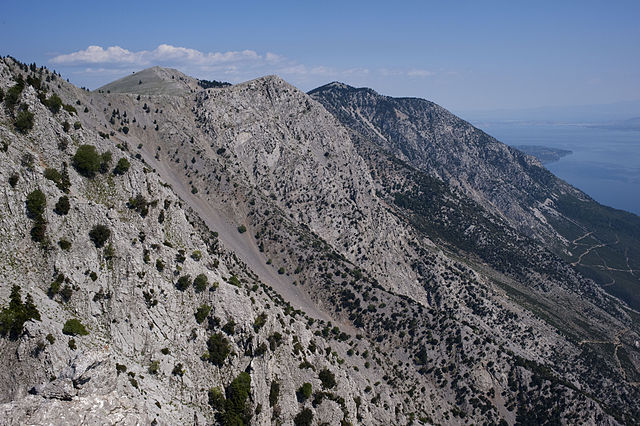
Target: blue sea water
(605,163)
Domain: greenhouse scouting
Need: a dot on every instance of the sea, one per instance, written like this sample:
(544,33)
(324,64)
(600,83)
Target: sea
(604,163)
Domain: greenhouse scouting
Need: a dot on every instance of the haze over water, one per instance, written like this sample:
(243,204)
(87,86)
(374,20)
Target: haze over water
(605,163)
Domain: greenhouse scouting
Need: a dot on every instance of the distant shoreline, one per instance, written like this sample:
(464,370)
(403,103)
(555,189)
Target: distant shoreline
(544,153)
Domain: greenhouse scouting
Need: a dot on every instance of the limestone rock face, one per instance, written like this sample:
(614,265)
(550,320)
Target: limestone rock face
(267,256)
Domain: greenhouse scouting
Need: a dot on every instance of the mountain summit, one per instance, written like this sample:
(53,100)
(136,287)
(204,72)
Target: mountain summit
(250,254)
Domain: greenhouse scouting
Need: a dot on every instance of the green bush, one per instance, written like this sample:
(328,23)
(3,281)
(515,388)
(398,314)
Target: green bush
(77,125)
(99,234)
(62,206)
(219,348)
(216,399)
(304,392)
(24,121)
(200,283)
(87,160)
(234,281)
(327,378)
(183,282)
(36,204)
(13,95)
(202,313)
(260,321)
(159,265)
(13,180)
(242,229)
(73,327)
(54,103)
(139,204)
(66,126)
(53,175)
(64,244)
(105,161)
(303,418)
(39,230)
(154,367)
(122,166)
(229,327)
(274,393)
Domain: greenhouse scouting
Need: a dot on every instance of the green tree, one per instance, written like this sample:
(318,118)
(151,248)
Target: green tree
(99,234)
(200,283)
(54,103)
(303,418)
(62,206)
(122,166)
(36,204)
(87,160)
(237,411)
(24,121)
(327,378)
(219,349)
(183,282)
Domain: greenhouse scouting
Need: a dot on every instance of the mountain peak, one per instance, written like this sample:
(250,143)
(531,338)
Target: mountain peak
(155,80)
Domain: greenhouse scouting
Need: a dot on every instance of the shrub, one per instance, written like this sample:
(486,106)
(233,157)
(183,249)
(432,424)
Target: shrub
(77,125)
(201,282)
(64,244)
(327,378)
(105,161)
(62,206)
(66,126)
(178,369)
(196,255)
(304,392)
(159,265)
(216,399)
(202,313)
(73,327)
(122,166)
(24,121)
(13,95)
(39,230)
(87,160)
(154,367)
(139,204)
(229,327)
(70,109)
(54,103)
(99,234)
(72,344)
(274,393)
(36,203)
(234,281)
(183,282)
(259,322)
(303,418)
(281,270)
(242,229)
(218,347)
(13,180)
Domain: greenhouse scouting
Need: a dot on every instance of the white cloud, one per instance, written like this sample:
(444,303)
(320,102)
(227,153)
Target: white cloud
(96,61)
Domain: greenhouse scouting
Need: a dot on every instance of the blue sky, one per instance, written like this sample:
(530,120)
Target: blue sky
(465,55)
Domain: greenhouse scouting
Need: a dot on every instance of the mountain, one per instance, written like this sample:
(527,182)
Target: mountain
(601,242)
(256,254)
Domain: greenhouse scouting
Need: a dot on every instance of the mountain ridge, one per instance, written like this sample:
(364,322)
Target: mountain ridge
(427,308)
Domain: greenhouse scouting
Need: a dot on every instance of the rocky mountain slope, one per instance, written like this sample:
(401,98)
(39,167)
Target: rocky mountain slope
(602,243)
(243,256)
